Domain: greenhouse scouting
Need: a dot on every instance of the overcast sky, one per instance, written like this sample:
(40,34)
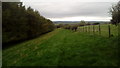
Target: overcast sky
(73,10)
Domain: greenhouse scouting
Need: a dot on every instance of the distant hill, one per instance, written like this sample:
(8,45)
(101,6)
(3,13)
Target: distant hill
(75,22)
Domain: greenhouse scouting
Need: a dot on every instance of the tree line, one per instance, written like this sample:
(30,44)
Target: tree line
(21,23)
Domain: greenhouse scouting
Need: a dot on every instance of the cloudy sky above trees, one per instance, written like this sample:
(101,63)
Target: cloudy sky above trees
(73,10)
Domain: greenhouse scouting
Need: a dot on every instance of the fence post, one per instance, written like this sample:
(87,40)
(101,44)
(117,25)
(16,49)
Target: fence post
(80,29)
(89,28)
(93,30)
(99,30)
(83,28)
(86,28)
(109,30)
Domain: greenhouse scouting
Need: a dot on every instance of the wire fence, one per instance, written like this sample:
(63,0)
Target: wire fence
(106,30)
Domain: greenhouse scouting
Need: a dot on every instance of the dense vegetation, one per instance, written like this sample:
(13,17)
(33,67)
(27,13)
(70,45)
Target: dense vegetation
(20,23)
(115,12)
(64,48)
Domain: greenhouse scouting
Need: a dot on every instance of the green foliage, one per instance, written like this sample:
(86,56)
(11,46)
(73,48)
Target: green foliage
(82,23)
(115,12)
(20,23)
(63,48)
(59,25)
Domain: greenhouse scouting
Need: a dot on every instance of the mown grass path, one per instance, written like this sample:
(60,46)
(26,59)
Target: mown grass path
(63,48)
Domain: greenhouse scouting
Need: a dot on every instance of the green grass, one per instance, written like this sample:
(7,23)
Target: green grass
(63,48)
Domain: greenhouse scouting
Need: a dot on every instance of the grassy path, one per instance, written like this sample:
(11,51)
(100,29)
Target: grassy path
(63,48)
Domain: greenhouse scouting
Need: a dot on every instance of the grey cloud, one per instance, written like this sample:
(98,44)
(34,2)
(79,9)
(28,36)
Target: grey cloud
(10,0)
(71,9)
(70,0)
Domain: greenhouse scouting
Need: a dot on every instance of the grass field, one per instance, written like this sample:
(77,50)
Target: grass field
(64,48)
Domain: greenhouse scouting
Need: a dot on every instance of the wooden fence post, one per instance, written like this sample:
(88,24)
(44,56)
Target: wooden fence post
(83,28)
(99,30)
(109,30)
(93,30)
(89,28)
(86,28)
(80,29)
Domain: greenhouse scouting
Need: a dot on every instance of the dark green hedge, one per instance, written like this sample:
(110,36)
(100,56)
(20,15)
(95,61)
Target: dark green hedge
(20,23)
